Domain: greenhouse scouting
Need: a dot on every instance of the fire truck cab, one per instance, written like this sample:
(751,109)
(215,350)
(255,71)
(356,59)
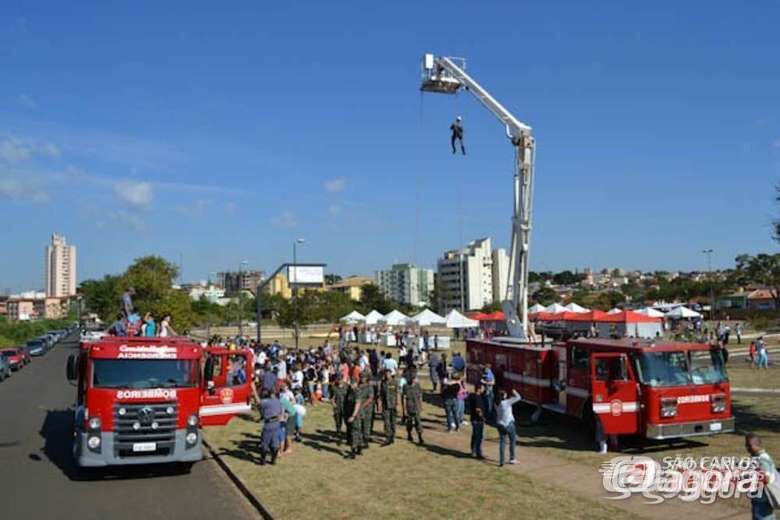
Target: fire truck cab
(143,400)
(658,390)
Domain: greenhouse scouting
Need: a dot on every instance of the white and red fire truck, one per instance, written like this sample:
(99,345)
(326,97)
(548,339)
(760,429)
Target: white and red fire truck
(658,390)
(143,400)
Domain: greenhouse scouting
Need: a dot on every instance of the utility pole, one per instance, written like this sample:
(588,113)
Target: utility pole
(709,252)
(294,287)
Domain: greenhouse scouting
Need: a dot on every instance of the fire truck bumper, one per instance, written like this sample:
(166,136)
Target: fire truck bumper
(689,429)
(109,454)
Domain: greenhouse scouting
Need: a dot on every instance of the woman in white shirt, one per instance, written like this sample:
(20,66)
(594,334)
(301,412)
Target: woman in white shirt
(165,327)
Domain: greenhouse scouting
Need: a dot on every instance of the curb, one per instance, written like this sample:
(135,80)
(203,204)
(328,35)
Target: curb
(768,391)
(253,500)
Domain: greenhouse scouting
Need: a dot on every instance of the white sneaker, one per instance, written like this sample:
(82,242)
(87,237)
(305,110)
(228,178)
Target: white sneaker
(513,461)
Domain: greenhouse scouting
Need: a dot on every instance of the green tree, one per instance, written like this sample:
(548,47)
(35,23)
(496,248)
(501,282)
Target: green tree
(102,296)
(491,307)
(544,296)
(762,270)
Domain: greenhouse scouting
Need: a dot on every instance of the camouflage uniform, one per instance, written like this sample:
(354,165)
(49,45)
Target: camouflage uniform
(339,396)
(366,396)
(413,402)
(389,398)
(354,428)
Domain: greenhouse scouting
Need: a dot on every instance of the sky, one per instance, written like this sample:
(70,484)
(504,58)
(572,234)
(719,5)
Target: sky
(215,134)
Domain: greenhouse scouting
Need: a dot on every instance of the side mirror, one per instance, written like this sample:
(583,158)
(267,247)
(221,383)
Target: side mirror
(72,368)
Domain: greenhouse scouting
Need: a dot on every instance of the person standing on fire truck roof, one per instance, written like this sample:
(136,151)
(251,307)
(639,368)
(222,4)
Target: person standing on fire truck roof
(126,302)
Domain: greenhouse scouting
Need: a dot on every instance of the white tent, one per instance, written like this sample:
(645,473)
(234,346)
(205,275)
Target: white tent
(395,317)
(456,320)
(353,317)
(573,307)
(427,317)
(556,307)
(537,308)
(373,317)
(682,312)
(614,310)
(652,313)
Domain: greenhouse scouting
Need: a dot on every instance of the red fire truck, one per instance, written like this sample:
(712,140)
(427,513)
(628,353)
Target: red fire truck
(143,400)
(658,390)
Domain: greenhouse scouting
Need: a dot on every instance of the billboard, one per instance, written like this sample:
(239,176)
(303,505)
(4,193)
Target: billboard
(302,274)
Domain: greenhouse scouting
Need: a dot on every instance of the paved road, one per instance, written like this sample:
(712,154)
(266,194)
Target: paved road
(37,474)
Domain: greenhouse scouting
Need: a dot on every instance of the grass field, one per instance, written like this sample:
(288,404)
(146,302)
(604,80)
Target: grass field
(404,480)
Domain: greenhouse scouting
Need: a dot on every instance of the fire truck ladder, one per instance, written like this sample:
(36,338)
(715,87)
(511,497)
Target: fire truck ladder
(446,75)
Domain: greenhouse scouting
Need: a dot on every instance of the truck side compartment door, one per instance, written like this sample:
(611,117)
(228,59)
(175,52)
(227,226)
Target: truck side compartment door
(614,391)
(228,393)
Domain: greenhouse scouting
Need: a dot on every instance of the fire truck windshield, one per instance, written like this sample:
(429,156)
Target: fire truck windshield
(678,368)
(145,373)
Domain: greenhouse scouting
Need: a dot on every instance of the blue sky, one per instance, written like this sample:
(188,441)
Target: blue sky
(217,134)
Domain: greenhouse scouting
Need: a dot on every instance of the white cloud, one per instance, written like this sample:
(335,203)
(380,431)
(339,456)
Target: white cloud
(136,194)
(15,150)
(26,101)
(22,190)
(128,220)
(336,185)
(286,219)
(334,209)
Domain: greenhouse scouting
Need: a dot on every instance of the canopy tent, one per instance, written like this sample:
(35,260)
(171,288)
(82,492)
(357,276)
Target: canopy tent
(476,315)
(395,317)
(427,317)
(682,312)
(537,308)
(373,317)
(630,324)
(649,311)
(573,307)
(614,310)
(556,307)
(353,317)
(456,320)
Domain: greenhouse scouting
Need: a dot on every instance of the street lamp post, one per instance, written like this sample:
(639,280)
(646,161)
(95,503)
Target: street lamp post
(709,252)
(294,288)
(240,299)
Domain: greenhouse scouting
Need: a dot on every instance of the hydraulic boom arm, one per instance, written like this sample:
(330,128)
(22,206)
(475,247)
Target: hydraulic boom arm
(443,75)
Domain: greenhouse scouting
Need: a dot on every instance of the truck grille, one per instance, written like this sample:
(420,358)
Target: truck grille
(137,425)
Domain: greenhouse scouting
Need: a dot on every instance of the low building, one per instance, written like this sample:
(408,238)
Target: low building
(25,309)
(734,301)
(212,293)
(761,300)
(352,286)
(234,281)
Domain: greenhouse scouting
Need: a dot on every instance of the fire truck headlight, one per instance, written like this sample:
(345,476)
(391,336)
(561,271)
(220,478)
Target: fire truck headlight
(718,403)
(155,425)
(136,425)
(122,411)
(668,407)
(191,438)
(169,410)
(192,420)
(94,423)
(93,442)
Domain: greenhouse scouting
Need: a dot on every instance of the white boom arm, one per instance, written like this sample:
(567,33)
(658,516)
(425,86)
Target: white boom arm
(444,75)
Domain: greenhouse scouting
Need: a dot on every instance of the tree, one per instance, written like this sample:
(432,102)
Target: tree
(331,279)
(372,298)
(566,278)
(762,270)
(102,296)
(544,296)
(491,307)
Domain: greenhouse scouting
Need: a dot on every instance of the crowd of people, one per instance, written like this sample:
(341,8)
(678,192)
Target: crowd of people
(364,386)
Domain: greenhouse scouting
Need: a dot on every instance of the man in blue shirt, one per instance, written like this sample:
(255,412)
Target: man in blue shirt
(489,381)
(458,363)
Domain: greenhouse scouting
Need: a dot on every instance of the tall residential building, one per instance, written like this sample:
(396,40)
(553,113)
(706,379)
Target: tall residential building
(472,277)
(59,268)
(406,283)
(234,281)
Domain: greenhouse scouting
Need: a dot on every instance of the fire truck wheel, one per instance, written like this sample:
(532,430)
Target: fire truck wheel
(589,418)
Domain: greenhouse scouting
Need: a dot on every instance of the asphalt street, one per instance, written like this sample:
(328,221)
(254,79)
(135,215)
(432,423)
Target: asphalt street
(38,478)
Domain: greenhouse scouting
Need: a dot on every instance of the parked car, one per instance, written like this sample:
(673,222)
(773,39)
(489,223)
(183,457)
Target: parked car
(15,357)
(5,368)
(37,347)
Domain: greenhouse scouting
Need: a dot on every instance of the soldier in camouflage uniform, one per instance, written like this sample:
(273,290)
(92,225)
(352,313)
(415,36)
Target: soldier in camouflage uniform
(412,400)
(352,412)
(339,389)
(388,399)
(366,396)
